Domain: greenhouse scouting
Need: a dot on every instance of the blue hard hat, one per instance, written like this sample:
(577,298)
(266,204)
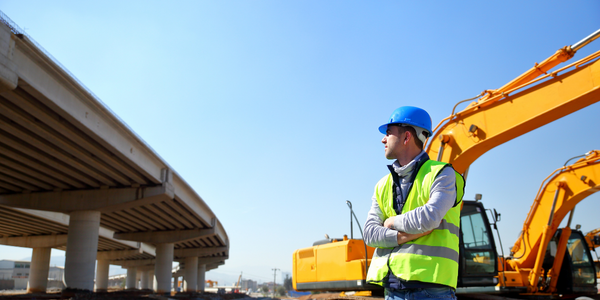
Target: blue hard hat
(409,115)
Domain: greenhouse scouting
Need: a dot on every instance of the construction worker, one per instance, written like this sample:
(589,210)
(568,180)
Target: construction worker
(414,220)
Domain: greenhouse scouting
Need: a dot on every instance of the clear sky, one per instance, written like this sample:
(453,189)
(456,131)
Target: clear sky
(270,109)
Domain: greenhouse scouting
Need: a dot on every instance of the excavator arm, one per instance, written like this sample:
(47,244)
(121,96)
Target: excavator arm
(593,238)
(559,194)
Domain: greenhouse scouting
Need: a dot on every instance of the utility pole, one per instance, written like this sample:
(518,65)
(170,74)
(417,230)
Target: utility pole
(274,282)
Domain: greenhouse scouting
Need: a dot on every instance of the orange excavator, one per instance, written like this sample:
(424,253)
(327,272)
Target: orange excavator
(536,98)
(547,260)
(593,239)
(212,283)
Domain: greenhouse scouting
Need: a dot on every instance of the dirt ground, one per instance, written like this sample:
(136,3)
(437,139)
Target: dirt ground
(122,295)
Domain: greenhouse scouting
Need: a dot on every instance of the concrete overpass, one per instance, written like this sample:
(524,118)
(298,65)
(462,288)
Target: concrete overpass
(73,176)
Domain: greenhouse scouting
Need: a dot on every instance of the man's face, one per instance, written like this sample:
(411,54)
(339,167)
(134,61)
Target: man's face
(394,141)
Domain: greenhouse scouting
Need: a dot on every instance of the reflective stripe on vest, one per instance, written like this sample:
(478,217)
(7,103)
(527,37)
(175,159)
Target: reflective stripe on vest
(450,227)
(428,250)
(432,258)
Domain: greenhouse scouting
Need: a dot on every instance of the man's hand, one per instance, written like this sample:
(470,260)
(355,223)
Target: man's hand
(389,223)
(404,237)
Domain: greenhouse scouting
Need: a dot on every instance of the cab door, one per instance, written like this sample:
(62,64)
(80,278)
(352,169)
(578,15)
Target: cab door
(478,257)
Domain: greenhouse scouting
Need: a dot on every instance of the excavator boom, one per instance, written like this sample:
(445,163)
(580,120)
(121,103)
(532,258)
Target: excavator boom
(593,239)
(562,55)
(463,137)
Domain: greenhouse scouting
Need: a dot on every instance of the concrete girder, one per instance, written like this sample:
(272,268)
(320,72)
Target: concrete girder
(203,260)
(199,252)
(23,100)
(147,248)
(102,200)
(40,241)
(133,263)
(61,219)
(213,266)
(145,268)
(117,254)
(35,143)
(220,233)
(161,237)
(19,176)
(185,192)
(43,78)
(108,234)
(55,217)
(31,158)
(211,260)
(8,68)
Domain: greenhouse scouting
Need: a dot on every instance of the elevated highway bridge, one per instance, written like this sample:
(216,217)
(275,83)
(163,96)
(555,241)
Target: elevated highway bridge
(74,177)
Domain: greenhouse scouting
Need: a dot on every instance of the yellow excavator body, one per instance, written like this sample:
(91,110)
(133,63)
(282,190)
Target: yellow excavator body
(334,266)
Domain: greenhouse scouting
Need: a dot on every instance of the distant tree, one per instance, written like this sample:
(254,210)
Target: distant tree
(265,289)
(281,291)
(287,283)
(123,283)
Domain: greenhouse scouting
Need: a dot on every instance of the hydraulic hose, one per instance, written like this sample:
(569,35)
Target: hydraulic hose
(361,235)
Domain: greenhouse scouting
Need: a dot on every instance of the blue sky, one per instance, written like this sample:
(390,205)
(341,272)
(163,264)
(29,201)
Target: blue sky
(270,109)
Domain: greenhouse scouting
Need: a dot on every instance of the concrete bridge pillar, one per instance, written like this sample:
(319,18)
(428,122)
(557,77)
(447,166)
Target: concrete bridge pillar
(152,280)
(163,268)
(191,274)
(102,269)
(38,273)
(201,277)
(131,278)
(82,246)
(138,279)
(145,280)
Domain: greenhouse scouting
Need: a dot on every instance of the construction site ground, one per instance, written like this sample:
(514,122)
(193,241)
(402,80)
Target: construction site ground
(149,295)
(119,295)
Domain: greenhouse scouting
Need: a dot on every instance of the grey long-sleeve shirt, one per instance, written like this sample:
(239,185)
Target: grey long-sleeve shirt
(419,220)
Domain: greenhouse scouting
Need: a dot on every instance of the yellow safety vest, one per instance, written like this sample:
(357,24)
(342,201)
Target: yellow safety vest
(432,258)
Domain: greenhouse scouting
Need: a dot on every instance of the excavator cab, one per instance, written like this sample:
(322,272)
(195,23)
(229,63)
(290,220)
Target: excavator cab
(478,264)
(577,273)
